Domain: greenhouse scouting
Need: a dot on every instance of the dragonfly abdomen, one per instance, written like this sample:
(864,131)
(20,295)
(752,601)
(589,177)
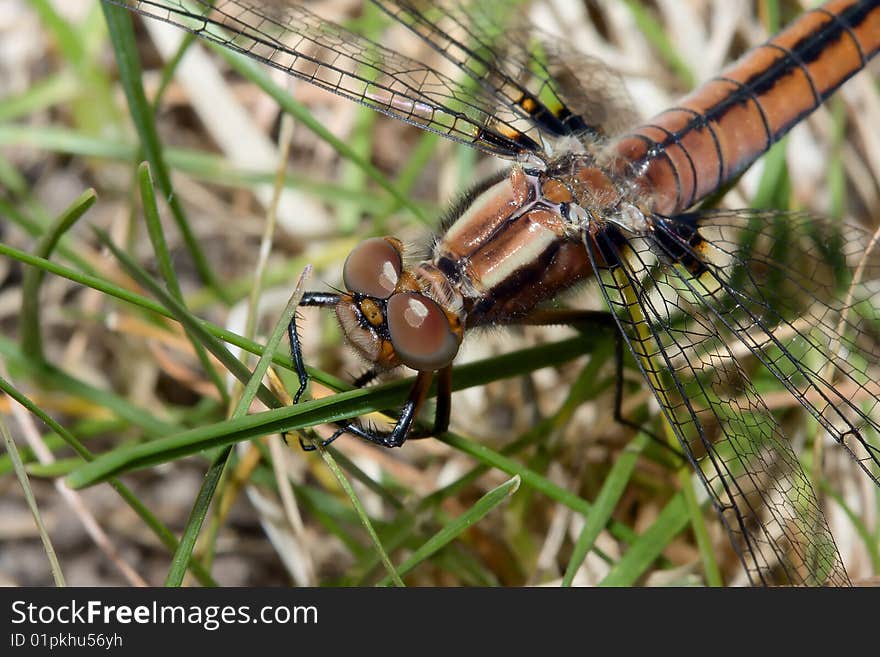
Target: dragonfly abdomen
(688,151)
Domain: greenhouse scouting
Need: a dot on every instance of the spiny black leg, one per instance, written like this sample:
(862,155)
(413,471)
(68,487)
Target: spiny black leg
(402,428)
(443,410)
(618,400)
(366,377)
(569,317)
(296,356)
(581,319)
(299,366)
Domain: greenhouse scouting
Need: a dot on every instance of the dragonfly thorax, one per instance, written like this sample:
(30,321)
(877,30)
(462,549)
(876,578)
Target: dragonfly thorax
(512,246)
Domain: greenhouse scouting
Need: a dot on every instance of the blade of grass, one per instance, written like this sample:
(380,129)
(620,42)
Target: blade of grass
(31,332)
(18,466)
(658,38)
(169,69)
(28,456)
(11,178)
(334,515)
(508,365)
(532,479)
(229,492)
(253,385)
(166,268)
(772,190)
(93,107)
(53,470)
(36,229)
(360,137)
(122,37)
(284,140)
(160,530)
(207,167)
(604,504)
(41,95)
(451,531)
(698,525)
(642,553)
(305,414)
(183,554)
(407,178)
(359,509)
(586,386)
(368,482)
(872,545)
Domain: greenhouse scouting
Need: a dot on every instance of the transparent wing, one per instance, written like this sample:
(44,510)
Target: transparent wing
(543,83)
(289,37)
(803,297)
(708,304)
(508,90)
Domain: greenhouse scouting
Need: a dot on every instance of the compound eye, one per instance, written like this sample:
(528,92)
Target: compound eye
(373,268)
(420,332)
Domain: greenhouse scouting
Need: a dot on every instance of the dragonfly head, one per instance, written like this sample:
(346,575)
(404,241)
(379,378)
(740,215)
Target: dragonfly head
(396,316)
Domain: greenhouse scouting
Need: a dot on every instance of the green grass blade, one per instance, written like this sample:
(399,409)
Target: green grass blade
(368,482)
(252,386)
(18,466)
(451,531)
(37,229)
(123,40)
(183,554)
(43,94)
(698,525)
(532,479)
(166,268)
(872,544)
(31,332)
(658,37)
(362,514)
(330,409)
(206,167)
(642,553)
(160,530)
(604,505)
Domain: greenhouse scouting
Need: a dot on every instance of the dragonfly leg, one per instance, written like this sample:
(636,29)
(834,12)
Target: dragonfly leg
(582,319)
(618,402)
(366,377)
(321,299)
(403,427)
(444,402)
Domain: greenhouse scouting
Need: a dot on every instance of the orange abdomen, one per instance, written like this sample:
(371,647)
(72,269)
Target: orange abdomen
(714,134)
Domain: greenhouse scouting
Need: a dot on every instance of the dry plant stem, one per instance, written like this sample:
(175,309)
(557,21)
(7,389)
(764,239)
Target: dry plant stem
(252,458)
(284,138)
(276,448)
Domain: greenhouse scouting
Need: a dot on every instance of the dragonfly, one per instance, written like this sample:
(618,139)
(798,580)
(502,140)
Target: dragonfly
(700,298)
